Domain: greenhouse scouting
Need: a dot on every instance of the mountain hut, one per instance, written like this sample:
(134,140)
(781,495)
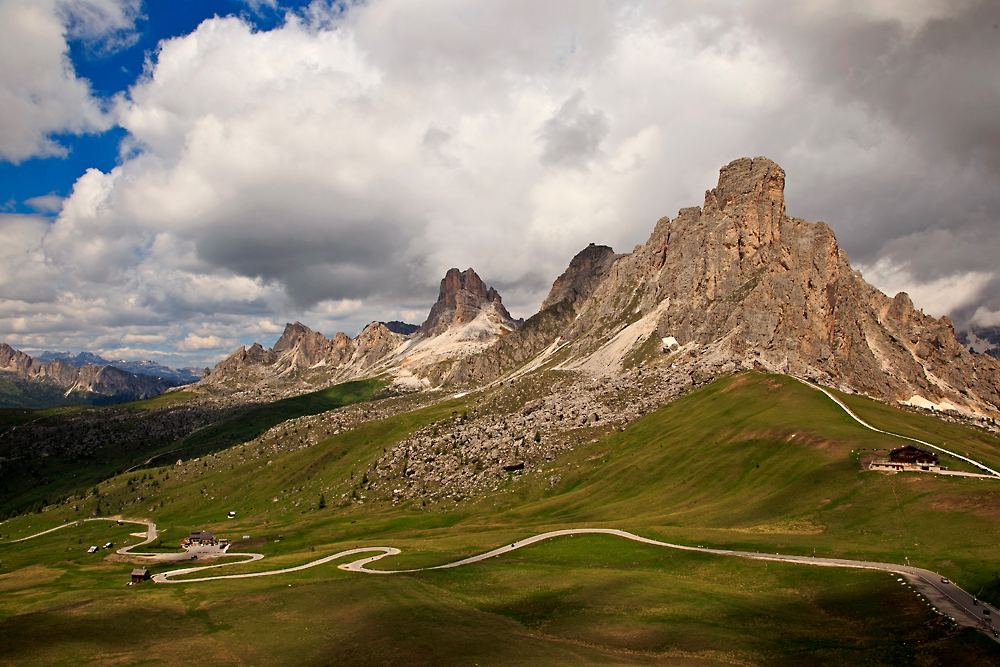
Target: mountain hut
(913,454)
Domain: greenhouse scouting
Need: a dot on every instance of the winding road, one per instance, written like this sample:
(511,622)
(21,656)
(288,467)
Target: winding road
(950,598)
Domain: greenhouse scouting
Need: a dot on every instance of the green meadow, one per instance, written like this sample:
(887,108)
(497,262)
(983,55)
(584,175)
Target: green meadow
(751,462)
(40,480)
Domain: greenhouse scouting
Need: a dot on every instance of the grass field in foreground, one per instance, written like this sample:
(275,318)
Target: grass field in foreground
(753,462)
(580,600)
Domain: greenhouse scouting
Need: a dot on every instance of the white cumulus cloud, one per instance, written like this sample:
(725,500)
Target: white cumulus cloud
(40,93)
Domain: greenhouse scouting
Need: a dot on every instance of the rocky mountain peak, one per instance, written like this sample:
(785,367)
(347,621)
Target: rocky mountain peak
(301,346)
(292,334)
(738,283)
(749,189)
(461,299)
(751,193)
(584,273)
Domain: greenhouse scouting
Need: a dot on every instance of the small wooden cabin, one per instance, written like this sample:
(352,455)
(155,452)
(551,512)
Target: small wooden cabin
(139,575)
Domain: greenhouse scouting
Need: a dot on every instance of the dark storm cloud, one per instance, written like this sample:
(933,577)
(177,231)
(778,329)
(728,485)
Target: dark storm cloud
(573,135)
(940,80)
(935,85)
(942,84)
(315,260)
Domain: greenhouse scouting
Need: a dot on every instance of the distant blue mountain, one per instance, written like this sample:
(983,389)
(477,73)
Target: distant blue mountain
(183,375)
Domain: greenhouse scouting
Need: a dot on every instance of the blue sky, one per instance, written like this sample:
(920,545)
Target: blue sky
(180,178)
(111,73)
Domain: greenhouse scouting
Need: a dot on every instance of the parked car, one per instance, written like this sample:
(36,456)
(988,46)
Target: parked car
(944,580)
(109,545)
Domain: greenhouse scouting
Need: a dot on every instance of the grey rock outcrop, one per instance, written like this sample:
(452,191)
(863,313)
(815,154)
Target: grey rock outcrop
(754,287)
(584,274)
(402,328)
(462,298)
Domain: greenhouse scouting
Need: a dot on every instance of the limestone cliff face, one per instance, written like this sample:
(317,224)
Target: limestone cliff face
(18,362)
(88,382)
(462,298)
(242,367)
(375,342)
(301,347)
(753,287)
(584,274)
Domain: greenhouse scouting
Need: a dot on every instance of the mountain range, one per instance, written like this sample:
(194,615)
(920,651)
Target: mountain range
(29,382)
(733,284)
(652,393)
(137,367)
(465,320)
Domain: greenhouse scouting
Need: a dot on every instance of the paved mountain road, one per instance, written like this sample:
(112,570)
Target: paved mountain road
(951,598)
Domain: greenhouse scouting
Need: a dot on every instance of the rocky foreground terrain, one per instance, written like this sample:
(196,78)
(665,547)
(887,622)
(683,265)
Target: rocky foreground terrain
(511,429)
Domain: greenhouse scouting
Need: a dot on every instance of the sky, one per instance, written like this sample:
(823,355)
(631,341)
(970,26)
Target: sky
(181,178)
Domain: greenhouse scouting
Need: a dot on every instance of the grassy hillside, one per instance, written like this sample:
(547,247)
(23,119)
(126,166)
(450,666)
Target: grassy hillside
(248,425)
(751,461)
(18,393)
(43,479)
